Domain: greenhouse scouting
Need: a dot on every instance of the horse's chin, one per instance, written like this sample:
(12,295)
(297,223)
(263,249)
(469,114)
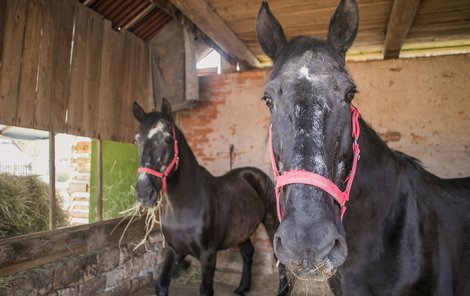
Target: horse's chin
(148,202)
(318,273)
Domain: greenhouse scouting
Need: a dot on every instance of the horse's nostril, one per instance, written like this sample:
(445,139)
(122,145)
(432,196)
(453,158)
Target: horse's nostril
(279,249)
(338,252)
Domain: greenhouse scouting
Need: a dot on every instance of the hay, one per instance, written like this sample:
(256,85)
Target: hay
(191,275)
(299,286)
(152,218)
(24,206)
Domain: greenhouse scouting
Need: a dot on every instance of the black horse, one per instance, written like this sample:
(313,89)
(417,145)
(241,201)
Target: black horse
(405,231)
(203,213)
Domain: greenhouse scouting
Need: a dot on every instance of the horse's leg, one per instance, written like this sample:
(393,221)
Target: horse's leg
(163,281)
(246,250)
(208,260)
(179,266)
(271,222)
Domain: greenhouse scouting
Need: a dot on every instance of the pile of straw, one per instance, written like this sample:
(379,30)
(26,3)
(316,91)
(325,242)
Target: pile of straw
(24,205)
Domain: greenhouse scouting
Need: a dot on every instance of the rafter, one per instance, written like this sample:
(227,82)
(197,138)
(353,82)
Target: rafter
(401,18)
(200,13)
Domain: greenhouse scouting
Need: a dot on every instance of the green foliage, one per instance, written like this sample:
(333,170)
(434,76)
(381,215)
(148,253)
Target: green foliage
(119,176)
(24,202)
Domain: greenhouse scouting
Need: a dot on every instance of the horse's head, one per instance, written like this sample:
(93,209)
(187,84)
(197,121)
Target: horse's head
(157,152)
(309,93)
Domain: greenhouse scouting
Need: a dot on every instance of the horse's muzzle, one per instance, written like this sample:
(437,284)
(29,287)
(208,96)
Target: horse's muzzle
(312,253)
(146,192)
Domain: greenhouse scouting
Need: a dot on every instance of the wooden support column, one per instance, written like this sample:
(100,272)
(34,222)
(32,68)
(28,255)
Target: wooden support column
(52,200)
(202,15)
(99,150)
(401,18)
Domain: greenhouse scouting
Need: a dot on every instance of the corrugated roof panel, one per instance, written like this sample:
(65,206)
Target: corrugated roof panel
(125,16)
(141,17)
(151,24)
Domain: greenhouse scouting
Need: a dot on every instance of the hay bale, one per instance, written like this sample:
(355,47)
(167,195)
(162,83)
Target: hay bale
(24,205)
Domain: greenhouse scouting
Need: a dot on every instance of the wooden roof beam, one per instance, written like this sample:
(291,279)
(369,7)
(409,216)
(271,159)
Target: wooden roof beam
(209,22)
(88,2)
(141,15)
(401,18)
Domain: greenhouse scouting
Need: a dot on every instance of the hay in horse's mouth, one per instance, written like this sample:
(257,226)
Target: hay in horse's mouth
(313,284)
(152,217)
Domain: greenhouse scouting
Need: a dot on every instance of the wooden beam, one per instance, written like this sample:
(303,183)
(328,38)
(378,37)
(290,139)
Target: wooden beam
(99,183)
(200,13)
(401,18)
(88,2)
(140,16)
(52,200)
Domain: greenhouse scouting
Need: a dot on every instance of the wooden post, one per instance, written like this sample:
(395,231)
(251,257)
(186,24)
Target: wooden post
(52,200)
(99,150)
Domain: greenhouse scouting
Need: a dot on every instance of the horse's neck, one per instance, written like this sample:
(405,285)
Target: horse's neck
(183,184)
(379,180)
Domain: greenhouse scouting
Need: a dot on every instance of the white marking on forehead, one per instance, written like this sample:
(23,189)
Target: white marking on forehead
(341,168)
(297,110)
(320,165)
(305,73)
(157,129)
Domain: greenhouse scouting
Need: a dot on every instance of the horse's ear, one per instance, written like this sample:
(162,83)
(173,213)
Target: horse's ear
(139,113)
(269,32)
(344,25)
(166,110)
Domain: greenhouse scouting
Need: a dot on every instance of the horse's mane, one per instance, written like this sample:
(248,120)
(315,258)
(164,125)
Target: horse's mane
(414,162)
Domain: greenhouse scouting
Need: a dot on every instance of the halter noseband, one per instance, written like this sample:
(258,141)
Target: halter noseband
(316,180)
(173,164)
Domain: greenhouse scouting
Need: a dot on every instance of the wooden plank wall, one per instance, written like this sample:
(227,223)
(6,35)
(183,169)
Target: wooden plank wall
(63,68)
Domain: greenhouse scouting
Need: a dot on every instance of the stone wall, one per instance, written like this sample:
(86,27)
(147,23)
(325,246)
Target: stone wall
(83,260)
(106,271)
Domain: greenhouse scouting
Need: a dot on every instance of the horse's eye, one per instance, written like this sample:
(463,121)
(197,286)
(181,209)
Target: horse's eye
(268,101)
(350,96)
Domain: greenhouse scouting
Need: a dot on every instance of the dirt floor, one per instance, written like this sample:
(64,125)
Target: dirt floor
(224,284)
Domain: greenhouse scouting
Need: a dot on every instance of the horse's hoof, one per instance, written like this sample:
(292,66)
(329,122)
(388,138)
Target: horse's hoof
(239,291)
(160,290)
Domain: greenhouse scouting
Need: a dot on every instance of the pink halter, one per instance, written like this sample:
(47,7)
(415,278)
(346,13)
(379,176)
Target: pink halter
(313,179)
(173,163)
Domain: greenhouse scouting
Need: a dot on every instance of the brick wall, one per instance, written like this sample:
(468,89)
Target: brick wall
(230,112)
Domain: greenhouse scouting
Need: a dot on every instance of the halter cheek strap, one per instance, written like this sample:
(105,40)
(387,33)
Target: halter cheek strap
(316,180)
(173,164)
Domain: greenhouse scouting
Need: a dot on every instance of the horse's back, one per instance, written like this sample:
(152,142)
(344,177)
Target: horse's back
(243,196)
(248,180)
